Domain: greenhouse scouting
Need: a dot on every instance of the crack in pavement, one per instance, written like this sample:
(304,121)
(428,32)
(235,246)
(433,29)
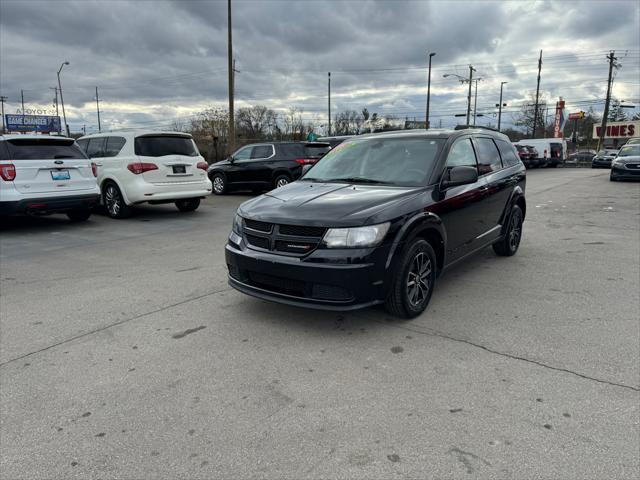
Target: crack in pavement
(435,333)
(120,322)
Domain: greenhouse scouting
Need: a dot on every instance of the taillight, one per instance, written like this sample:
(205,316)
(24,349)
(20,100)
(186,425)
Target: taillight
(202,166)
(7,172)
(94,169)
(305,161)
(141,167)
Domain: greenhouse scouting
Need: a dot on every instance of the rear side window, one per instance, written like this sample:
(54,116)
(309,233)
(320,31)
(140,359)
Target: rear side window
(262,151)
(162,145)
(114,145)
(509,157)
(96,147)
(83,143)
(488,156)
(291,151)
(32,149)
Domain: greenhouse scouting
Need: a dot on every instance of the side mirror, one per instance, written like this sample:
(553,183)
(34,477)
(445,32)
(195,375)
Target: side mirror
(305,169)
(460,176)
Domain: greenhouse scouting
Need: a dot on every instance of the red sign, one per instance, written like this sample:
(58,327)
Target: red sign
(618,130)
(559,123)
(576,116)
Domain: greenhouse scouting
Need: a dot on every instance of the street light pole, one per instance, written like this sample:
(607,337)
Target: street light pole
(64,115)
(475,102)
(432,54)
(500,105)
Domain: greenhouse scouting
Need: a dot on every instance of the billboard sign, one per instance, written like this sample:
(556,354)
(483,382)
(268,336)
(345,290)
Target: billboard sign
(576,116)
(560,120)
(618,130)
(32,123)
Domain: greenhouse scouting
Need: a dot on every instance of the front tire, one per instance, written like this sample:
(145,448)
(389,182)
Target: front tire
(188,205)
(219,184)
(114,201)
(413,282)
(508,245)
(79,215)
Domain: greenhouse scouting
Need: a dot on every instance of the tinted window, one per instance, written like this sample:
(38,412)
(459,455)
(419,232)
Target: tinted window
(461,155)
(4,151)
(31,149)
(83,143)
(316,150)
(162,145)
(114,145)
(242,154)
(96,147)
(393,161)
(509,157)
(488,156)
(291,151)
(262,151)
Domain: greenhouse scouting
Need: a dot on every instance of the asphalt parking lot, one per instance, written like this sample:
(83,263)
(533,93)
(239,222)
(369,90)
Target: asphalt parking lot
(124,354)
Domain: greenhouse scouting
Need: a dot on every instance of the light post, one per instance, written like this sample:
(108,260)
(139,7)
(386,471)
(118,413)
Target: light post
(475,102)
(64,115)
(500,105)
(431,55)
(464,80)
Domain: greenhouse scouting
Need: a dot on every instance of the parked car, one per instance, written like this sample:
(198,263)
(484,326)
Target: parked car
(378,219)
(147,167)
(41,174)
(264,166)
(582,156)
(626,165)
(527,156)
(335,141)
(603,158)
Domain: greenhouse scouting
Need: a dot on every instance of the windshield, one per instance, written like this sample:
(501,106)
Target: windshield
(49,149)
(629,150)
(390,161)
(161,145)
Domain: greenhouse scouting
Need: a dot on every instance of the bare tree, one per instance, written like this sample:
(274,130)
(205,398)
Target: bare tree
(524,118)
(256,122)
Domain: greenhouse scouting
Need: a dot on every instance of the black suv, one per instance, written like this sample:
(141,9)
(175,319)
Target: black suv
(378,219)
(263,166)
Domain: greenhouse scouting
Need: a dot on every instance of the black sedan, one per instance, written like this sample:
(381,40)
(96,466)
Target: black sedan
(627,164)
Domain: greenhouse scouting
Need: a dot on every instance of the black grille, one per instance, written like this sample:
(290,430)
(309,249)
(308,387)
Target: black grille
(633,166)
(259,226)
(330,292)
(302,231)
(277,284)
(259,242)
(295,247)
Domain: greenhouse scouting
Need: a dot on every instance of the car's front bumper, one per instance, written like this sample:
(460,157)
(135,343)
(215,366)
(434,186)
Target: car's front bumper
(618,171)
(47,205)
(324,279)
(601,162)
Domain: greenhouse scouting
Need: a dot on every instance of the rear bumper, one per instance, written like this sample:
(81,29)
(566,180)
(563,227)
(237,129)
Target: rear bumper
(304,283)
(142,191)
(46,205)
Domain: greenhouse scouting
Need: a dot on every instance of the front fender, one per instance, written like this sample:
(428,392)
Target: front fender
(412,226)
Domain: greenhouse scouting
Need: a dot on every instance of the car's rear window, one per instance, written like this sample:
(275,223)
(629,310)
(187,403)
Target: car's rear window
(162,145)
(316,150)
(32,149)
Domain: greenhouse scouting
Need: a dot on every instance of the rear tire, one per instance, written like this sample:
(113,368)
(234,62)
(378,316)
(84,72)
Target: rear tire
(413,281)
(114,201)
(219,184)
(281,181)
(508,245)
(188,205)
(79,215)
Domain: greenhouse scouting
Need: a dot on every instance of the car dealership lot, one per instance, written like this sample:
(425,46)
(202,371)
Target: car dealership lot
(124,354)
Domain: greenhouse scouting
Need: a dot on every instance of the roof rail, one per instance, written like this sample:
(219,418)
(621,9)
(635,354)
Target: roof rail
(464,127)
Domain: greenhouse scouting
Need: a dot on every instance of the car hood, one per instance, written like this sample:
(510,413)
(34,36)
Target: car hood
(328,204)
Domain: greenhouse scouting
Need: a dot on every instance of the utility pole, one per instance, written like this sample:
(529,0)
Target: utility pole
(22,98)
(500,105)
(55,99)
(2,100)
(475,101)
(428,91)
(64,115)
(603,127)
(98,109)
(471,70)
(535,111)
(329,101)
(232,125)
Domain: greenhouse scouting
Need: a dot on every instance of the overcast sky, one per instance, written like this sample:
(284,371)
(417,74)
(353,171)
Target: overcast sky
(157,61)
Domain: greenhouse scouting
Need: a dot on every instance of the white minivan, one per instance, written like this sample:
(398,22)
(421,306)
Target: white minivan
(147,167)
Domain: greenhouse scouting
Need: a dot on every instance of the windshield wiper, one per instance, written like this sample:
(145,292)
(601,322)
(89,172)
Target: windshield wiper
(358,180)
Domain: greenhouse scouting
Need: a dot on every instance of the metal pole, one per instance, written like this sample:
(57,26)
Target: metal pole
(98,109)
(475,103)
(603,126)
(329,101)
(22,97)
(471,69)
(64,115)
(535,111)
(428,91)
(500,106)
(232,127)
(2,100)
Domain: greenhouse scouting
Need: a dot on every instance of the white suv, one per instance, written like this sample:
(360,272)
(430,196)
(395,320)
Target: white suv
(42,174)
(152,167)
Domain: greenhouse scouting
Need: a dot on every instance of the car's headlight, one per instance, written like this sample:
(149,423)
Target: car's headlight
(237,224)
(369,236)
